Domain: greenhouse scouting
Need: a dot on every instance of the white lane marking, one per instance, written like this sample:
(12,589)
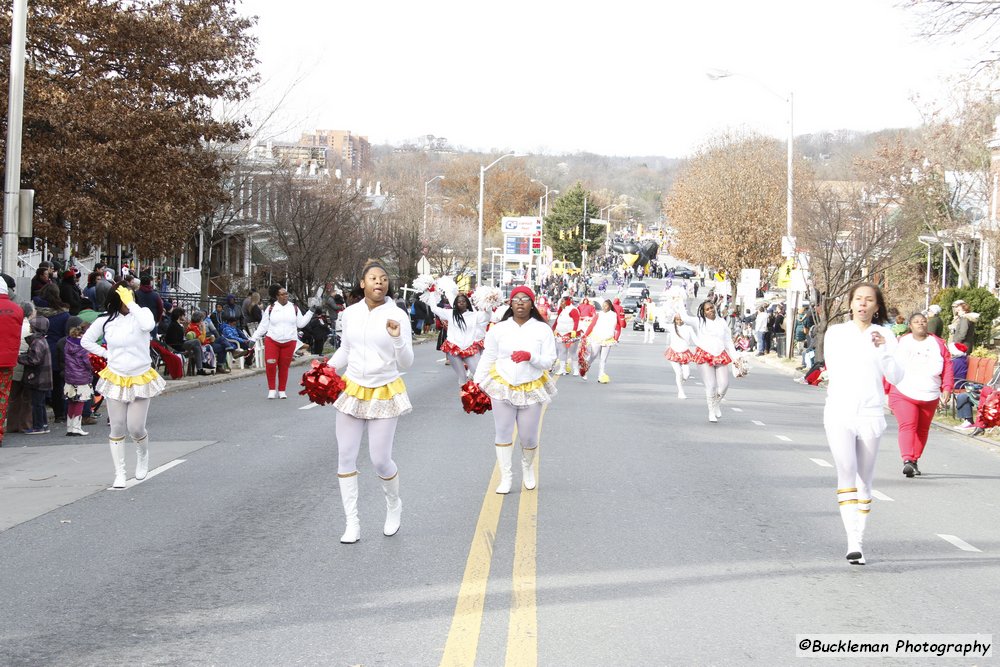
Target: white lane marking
(310,406)
(881,496)
(783,438)
(821,463)
(958,542)
(152,473)
(736,409)
(757,422)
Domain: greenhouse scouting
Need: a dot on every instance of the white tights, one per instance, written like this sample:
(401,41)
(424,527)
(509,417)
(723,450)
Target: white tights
(458,365)
(681,372)
(380,436)
(716,379)
(128,418)
(527,418)
(601,352)
(565,354)
(854,444)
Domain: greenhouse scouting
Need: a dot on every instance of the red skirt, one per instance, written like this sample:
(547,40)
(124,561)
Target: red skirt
(450,348)
(679,357)
(702,357)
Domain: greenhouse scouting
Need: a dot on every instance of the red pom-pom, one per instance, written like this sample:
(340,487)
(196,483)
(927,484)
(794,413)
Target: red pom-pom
(583,357)
(475,399)
(989,410)
(321,383)
(97,363)
(431,288)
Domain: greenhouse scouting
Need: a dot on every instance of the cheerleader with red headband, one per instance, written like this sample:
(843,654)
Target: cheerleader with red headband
(514,374)
(714,352)
(567,332)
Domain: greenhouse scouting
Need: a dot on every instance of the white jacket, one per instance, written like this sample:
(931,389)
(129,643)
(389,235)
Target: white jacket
(855,368)
(475,326)
(127,337)
(282,323)
(371,356)
(604,327)
(713,336)
(505,338)
(681,339)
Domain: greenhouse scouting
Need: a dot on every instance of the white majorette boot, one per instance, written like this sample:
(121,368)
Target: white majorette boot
(718,405)
(848,501)
(349,497)
(142,457)
(505,453)
(393,505)
(118,457)
(528,468)
(711,409)
(860,523)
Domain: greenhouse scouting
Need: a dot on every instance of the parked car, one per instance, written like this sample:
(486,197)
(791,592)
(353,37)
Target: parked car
(635,288)
(683,272)
(564,268)
(640,325)
(630,304)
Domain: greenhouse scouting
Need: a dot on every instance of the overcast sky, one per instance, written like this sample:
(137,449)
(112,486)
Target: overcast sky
(617,78)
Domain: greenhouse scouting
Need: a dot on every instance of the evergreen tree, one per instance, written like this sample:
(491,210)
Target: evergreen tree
(565,226)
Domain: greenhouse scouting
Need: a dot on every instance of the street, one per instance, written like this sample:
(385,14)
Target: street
(654,537)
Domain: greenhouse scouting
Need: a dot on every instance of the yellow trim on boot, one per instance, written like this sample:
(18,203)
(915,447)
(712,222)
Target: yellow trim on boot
(854,490)
(504,444)
(347,474)
(388,479)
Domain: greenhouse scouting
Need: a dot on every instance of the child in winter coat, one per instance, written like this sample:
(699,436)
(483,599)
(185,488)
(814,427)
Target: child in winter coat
(37,362)
(78,375)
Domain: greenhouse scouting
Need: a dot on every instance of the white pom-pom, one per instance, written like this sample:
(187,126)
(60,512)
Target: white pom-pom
(447,285)
(422,282)
(487,297)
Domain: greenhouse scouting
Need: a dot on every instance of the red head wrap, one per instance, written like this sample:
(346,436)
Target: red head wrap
(523,289)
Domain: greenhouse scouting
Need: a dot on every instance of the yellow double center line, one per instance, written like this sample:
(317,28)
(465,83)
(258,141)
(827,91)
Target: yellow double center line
(522,631)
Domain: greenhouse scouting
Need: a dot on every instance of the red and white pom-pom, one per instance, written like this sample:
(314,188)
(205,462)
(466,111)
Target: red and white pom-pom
(321,383)
(475,399)
(583,357)
(423,282)
(487,298)
(989,408)
(97,363)
(447,285)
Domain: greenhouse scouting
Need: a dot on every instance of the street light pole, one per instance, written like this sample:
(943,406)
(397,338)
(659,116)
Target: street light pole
(425,202)
(15,118)
(482,178)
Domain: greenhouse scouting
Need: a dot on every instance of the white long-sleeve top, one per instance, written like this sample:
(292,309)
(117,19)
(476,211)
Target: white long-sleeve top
(713,336)
(475,326)
(507,337)
(281,323)
(567,321)
(127,337)
(681,339)
(922,365)
(855,368)
(371,356)
(603,327)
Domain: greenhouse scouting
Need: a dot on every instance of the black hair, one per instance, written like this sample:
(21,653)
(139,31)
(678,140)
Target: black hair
(113,304)
(375,264)
(146,279)
(272,291)
(459,317)
(915,316)
(701,309)
(881,312)
(611,306)
(176,314)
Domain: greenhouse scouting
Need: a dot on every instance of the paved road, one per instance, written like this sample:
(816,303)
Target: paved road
(654,537)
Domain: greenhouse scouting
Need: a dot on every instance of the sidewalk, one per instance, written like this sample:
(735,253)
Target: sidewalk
(789,367)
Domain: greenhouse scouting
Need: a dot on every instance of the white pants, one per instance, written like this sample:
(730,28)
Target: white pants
(128,418)
(601,351)
(649,332)
(380,436)
(854,444)
(716,379)
(458,365)
(681,372)
(527,418)
(564,354)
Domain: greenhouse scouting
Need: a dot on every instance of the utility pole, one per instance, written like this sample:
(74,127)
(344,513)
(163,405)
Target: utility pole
(15,117)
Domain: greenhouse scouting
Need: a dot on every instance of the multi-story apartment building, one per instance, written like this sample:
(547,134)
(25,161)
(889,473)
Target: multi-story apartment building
(345,150)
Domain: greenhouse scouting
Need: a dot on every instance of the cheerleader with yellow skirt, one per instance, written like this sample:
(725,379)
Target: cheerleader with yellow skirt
(376,345)
(129,380)
(602,334)
(514,374)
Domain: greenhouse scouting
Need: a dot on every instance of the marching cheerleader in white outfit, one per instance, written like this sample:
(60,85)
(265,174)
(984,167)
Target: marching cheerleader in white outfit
(514,374)
(376,345)
(714,352)
(567,333)
(679,352)
(602,335)
(466,331)
(858,355)
(129,380)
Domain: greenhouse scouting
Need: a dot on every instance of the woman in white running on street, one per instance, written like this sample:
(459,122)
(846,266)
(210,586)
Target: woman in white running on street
(679,352)
(714,352)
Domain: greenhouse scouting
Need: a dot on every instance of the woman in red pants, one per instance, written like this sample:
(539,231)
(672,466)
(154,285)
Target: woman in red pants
(279,327)
(927,382)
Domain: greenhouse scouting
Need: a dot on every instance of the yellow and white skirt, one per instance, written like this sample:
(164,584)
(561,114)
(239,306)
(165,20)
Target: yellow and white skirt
(385,402)
(537,391)
(127,388)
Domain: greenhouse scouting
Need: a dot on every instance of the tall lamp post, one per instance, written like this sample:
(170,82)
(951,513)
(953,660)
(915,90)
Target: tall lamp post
(482,179)
(15,117)
(607,234)
(717,74)
(425,202)
(542,212)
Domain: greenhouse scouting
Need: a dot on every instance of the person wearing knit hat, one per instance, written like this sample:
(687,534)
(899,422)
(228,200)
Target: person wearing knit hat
(567,332)
(78,374)
(935,325)
(11,317)
(513,372)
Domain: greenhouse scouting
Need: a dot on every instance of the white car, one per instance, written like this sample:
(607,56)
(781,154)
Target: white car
(635,288)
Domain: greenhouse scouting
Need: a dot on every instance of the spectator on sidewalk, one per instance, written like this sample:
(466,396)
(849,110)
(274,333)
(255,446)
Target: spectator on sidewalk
(252,313)
(51,307)
(37,361)
(11,319)
(78,377)
(231,309)
(935,325)
(803,324)
(41,278)
(19,403)
(101,290)
(69,291)
(177,341)
(761,332)
(147,297)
